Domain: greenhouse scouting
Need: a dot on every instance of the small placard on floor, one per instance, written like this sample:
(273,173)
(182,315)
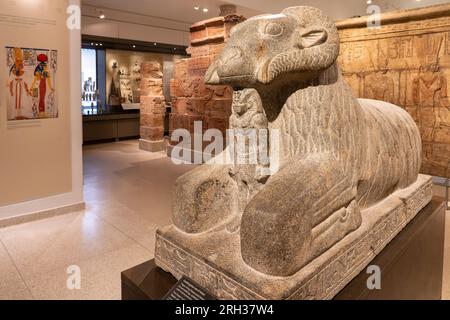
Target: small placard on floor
(186,289)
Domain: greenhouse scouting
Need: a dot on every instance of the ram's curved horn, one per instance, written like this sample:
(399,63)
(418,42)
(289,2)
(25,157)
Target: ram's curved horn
(315,58)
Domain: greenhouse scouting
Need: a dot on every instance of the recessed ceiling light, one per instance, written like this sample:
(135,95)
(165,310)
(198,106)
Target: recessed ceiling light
(101,13)
(205,10)
(196,7)
(134,46)
(369,1)
(92,43)
(155,44)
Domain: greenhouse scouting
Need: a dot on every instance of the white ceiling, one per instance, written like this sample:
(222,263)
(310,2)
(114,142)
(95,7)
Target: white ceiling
(179,10)
(182,10)
(338,9)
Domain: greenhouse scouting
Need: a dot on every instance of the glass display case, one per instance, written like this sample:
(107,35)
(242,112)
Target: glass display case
(111,82)
(89,82)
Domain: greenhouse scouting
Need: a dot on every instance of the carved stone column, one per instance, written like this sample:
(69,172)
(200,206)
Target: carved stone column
(152,108)
(192,99)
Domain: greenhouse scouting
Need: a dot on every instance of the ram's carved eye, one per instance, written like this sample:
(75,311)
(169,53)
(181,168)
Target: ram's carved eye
(273,29)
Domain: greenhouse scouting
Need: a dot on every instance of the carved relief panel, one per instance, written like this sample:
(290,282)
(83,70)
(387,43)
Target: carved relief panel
(408,64)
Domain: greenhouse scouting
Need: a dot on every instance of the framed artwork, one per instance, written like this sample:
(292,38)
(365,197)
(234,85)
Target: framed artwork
(31,75)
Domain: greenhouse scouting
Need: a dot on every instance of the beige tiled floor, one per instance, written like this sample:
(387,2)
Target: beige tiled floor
(128,196)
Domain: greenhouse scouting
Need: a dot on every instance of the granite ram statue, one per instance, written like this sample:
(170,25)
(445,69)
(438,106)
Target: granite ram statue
(338,155)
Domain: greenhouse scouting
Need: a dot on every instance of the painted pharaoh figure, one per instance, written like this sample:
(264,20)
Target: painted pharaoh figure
(17,85)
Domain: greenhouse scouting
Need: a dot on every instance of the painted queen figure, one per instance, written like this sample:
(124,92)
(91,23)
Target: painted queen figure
(42,74)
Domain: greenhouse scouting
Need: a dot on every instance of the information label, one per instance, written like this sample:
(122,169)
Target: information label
(185,289)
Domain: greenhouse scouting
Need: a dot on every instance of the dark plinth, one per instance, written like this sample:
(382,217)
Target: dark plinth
(146,282)
(412,263)
(411,266)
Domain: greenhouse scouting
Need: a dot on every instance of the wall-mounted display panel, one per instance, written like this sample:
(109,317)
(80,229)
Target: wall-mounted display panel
(31,75)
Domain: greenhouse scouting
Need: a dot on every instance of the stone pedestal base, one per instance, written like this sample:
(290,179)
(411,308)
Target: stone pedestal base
(151,146)
(214,261)
(412,266)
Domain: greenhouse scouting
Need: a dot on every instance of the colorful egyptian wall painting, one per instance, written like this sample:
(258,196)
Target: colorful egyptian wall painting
(31,85)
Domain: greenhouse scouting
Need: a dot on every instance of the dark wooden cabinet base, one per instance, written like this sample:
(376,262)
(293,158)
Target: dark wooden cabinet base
(411,266)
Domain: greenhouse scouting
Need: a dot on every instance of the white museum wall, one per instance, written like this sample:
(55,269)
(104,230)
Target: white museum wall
(41,160)
(125,25)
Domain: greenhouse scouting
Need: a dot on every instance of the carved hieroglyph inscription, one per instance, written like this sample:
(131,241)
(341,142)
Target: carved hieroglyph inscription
(408,64)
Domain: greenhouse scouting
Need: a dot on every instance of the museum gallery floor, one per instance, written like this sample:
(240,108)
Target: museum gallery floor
(114,233)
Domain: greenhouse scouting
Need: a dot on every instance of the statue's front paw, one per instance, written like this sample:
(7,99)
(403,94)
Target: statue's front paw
(204,202)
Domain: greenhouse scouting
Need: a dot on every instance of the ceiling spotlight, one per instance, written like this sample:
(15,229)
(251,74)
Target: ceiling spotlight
(92,43)
(155,44)
(196,7)
(205,10)
(101,13)
(369,1)
(134,46)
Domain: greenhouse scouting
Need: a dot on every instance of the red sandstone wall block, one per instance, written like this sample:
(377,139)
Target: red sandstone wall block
(192,119)
(190,87)
(442,135)
(151,70)
(197,35)
(175,88)
(178,122)
(200,90)
(215,31)
(224,92)
(199,51)
(198,66)
(153,105)
(216,50)
(179,106)
(152,133)
(219,107)
(218,123)
(152,120)
(152,102)
(193,100)
(195,106)
(211,50)
(151,87)
(180,69)
(148,67)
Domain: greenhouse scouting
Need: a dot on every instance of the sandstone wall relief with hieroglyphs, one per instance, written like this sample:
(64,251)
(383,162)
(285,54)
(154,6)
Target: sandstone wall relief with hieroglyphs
(407,64)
